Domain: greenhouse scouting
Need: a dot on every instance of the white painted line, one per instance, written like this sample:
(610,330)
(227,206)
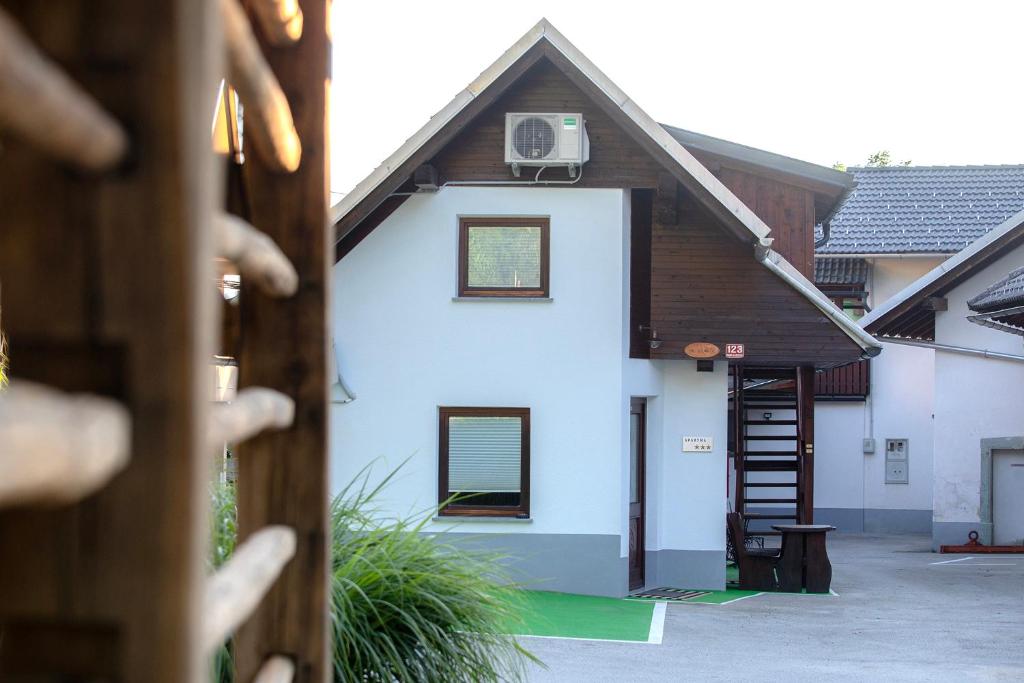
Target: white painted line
(804,595)
(729,602)
(657,624)
(589,640)
(990,564)
(952,561)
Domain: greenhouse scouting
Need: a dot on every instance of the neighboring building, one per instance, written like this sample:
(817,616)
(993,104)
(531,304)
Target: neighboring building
(897,224)
(1001,306)
(978,380)
(552,343)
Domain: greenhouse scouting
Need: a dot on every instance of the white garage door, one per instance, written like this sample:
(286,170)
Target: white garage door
(1008,497)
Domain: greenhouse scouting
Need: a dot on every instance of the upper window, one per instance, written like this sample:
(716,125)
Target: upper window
(484,461)
(503,257)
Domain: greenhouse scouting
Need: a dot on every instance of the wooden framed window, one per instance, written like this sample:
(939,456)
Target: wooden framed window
(503,256)
(484,461)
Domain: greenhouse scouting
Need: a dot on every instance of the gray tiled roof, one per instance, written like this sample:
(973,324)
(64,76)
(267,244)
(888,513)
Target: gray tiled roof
(924,209)
(840,271)
(1006,293)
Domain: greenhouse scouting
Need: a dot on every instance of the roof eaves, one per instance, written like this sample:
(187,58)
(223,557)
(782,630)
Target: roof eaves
(945,270)
(439,120)
(759,157)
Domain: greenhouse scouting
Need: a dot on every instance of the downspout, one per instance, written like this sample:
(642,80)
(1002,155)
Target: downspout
(826,222)
(980,353)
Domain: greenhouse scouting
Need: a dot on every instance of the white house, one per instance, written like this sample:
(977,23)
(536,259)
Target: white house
(547,339)
(963,309)
(897,224)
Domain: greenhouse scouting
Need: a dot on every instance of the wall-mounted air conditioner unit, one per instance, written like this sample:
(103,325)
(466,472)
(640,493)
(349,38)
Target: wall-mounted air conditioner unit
(546,140)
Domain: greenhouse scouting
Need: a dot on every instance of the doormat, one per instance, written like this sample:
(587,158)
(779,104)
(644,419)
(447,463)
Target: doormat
(673,594)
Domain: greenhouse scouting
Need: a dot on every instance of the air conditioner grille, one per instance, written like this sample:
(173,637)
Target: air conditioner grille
(533,138)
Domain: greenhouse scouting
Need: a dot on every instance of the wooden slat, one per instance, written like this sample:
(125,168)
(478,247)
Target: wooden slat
(255,255)
(234,592)
(57,448)
(284,475)
(117,268)
(268,116)
(277,669)
(253,410)
(42,105)
(280,20)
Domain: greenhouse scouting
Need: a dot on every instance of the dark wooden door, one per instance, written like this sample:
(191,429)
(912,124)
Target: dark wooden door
(637,466)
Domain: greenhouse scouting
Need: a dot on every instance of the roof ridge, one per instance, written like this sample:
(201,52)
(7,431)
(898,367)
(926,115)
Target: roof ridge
(935,167)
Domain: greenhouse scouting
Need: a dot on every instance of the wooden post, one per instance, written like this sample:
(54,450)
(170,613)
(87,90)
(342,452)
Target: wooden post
(107,289)
(739,431)
(805,433)
(283,476)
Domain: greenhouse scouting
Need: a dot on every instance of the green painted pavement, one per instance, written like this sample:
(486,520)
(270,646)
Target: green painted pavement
(565,615)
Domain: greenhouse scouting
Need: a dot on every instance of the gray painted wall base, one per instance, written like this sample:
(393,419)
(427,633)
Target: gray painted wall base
(955,533)
(571,563)
(704,569)
(861,520)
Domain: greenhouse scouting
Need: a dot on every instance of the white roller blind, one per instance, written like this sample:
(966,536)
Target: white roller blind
(484,454)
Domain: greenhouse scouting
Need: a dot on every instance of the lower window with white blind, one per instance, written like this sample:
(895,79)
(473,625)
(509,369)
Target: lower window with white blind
(484,462)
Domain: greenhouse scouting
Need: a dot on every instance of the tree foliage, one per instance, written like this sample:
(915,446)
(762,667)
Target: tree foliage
(879,159)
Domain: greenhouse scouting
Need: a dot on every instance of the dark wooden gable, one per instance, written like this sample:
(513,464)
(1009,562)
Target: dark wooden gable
(789,210)
(707,287)
(478,152)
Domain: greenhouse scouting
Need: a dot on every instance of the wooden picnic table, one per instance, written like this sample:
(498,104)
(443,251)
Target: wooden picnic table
(804,562)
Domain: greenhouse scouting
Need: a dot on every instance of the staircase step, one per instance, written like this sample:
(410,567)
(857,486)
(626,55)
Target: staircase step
(765,437)
(769,422)
(771,485)
(771,466)
(769,500)
(766,515)
(778,453)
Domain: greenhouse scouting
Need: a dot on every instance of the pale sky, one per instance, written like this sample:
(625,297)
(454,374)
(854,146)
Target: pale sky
(933,82)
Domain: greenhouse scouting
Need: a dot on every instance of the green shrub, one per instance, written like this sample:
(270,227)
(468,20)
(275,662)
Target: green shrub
(406,605)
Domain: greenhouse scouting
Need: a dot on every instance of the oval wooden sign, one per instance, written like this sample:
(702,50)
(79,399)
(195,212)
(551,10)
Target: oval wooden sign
(701,350)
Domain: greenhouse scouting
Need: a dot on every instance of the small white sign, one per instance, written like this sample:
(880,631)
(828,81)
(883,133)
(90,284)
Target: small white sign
(698,444)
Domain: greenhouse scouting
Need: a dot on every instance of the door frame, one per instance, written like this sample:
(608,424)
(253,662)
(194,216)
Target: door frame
(638,406)
(1006,443)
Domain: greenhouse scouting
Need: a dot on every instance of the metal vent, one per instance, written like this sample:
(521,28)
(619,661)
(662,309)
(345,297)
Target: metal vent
(533,138)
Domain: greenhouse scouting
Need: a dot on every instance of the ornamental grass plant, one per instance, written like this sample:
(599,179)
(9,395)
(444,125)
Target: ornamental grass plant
(406,605)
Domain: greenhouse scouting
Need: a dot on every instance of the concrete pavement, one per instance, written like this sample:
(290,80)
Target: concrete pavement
(899,616)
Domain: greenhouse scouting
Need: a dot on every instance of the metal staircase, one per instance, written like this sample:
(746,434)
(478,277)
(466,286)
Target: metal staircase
(771,455)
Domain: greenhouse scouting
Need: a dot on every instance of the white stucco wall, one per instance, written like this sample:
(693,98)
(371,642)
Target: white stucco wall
(690,487)
(406,348)
(839,459)
(901,405)
(975,398)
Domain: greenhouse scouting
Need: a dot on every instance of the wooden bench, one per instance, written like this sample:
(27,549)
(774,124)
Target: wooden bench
(757,567)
